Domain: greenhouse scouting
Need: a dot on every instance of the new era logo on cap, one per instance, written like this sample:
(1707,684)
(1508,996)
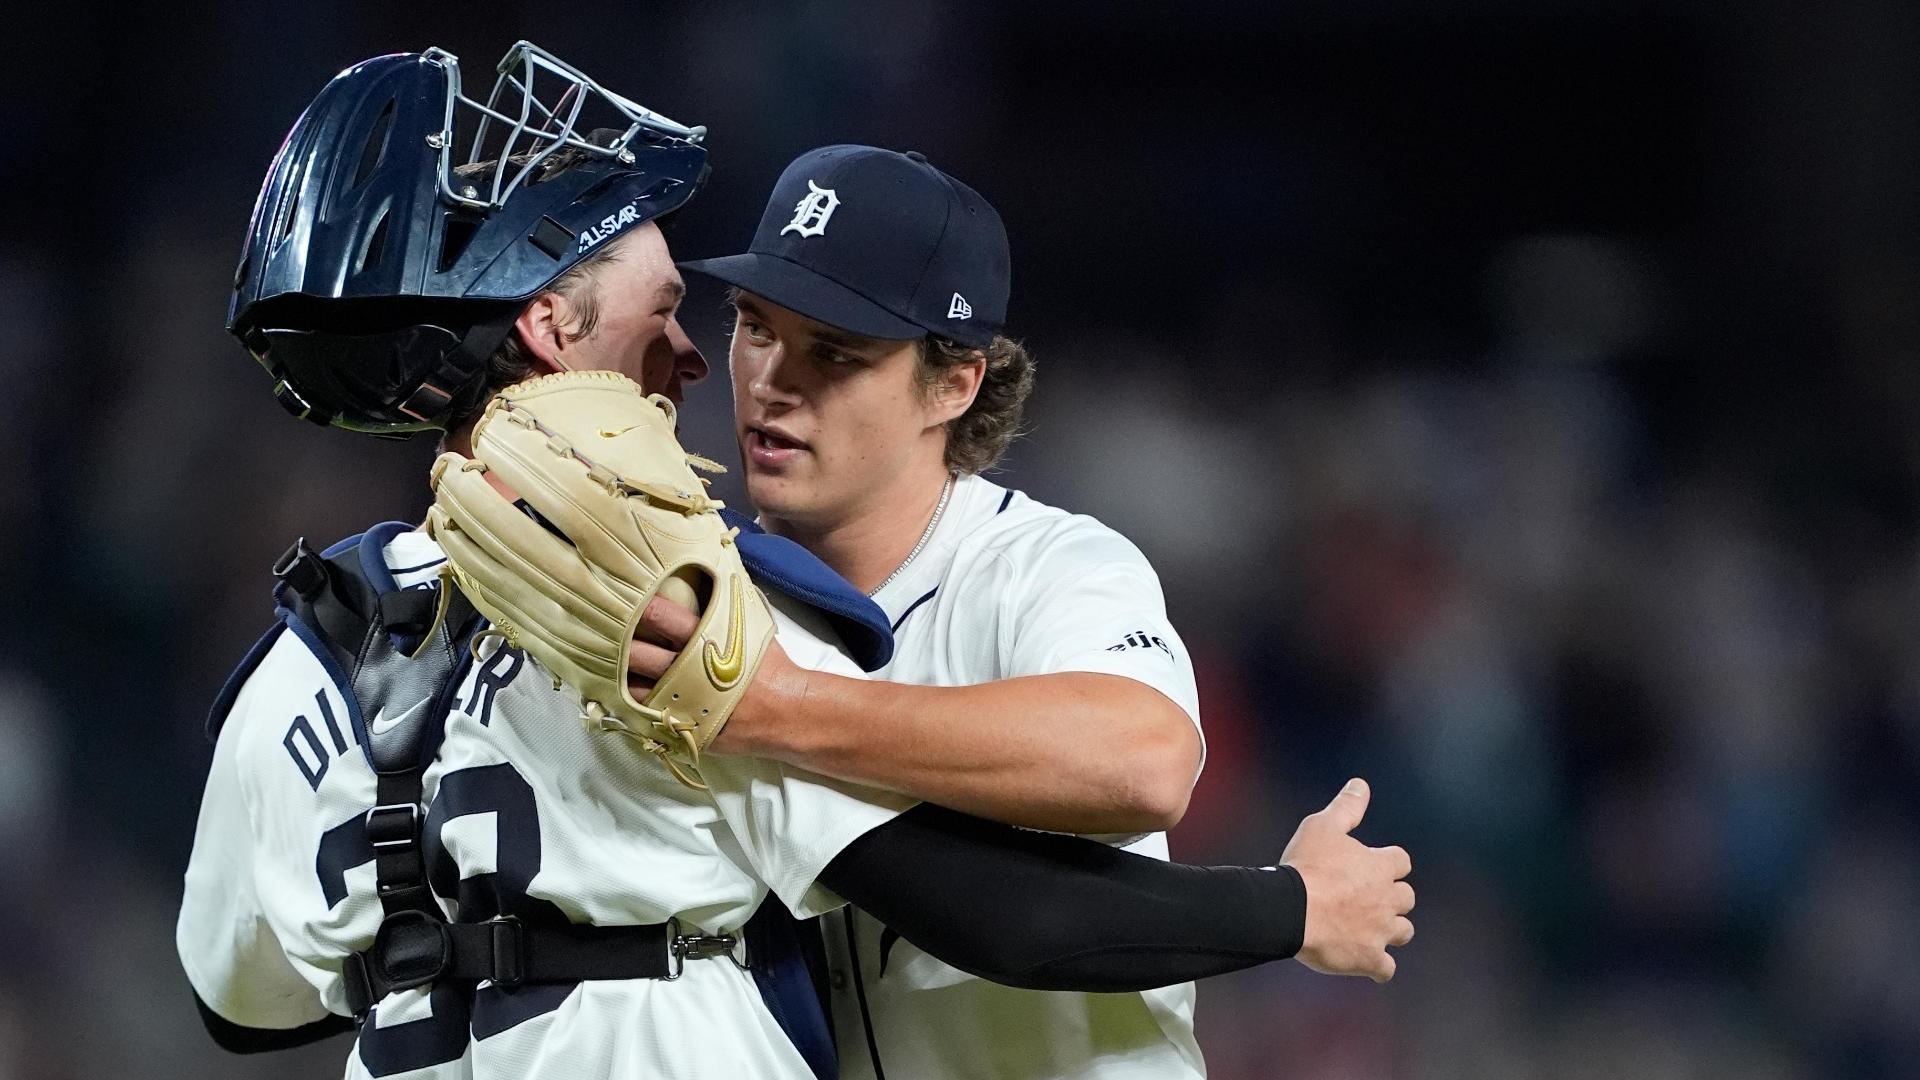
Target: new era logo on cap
(878,243)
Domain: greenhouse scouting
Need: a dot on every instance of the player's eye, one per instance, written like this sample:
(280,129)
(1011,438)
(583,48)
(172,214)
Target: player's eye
(828,356)
(755,332)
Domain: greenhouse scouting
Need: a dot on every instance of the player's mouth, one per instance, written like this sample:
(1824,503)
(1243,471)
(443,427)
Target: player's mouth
(771,448)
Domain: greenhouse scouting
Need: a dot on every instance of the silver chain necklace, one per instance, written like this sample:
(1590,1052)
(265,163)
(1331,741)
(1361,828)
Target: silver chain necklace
(945,491)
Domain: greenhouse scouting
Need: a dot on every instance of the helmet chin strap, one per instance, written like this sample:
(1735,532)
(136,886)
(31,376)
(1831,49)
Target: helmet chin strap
(464,368)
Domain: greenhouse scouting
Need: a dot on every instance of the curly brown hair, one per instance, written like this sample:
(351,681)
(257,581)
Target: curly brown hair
(977,438)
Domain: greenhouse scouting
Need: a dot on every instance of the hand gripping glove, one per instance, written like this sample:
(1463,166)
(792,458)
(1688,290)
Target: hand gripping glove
(624,518)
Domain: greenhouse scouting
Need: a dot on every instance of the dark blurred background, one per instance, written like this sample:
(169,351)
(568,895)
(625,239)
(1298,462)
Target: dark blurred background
(1518,401)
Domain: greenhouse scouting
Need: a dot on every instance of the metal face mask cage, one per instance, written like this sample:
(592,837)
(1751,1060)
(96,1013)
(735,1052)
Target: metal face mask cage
(516,106)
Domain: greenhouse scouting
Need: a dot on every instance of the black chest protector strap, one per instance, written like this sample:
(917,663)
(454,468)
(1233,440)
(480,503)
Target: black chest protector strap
(415,949)
(400,683)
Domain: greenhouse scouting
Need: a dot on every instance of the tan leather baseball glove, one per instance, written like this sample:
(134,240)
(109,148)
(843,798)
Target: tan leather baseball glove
(624,518)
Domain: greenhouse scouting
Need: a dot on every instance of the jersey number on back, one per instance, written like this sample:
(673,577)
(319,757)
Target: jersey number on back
(483,877)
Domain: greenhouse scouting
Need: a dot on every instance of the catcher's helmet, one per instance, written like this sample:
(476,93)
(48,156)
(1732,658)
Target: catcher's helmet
(379,273)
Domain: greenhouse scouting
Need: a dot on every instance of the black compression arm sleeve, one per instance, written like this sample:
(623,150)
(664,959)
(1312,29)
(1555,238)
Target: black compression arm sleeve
(245,1040)
(1050,912)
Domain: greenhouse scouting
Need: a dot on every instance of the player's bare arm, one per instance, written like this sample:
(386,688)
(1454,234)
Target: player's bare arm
(979,749)
(973,748)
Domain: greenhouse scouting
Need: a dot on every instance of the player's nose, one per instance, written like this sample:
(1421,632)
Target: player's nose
(688,364)
(771,380)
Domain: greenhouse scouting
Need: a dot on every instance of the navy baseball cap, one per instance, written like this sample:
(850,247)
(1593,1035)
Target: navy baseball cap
(880,244)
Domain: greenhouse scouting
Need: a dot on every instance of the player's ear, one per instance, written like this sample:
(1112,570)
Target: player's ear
(542,327)
(953,394)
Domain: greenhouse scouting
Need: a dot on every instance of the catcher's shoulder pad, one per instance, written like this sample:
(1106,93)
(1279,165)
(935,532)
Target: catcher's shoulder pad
(344,605)
(783,566)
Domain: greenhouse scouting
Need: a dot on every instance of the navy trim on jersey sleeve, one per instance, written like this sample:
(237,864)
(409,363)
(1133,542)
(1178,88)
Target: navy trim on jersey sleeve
(239,1039)
(786,566)
(230,690)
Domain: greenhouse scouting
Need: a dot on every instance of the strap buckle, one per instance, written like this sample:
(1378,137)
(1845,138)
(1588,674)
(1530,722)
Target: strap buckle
(358,985)
(301,568)
(385,832)
(509,951)
(683,947)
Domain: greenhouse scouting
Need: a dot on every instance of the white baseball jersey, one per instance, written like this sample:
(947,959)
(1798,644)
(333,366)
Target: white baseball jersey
(1006,587)
(526,809)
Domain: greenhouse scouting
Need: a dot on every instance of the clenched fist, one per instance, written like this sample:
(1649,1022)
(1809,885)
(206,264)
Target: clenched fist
(1357,902)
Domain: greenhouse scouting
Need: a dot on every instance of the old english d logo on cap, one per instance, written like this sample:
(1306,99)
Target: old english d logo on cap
(880,244)
(811,214)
